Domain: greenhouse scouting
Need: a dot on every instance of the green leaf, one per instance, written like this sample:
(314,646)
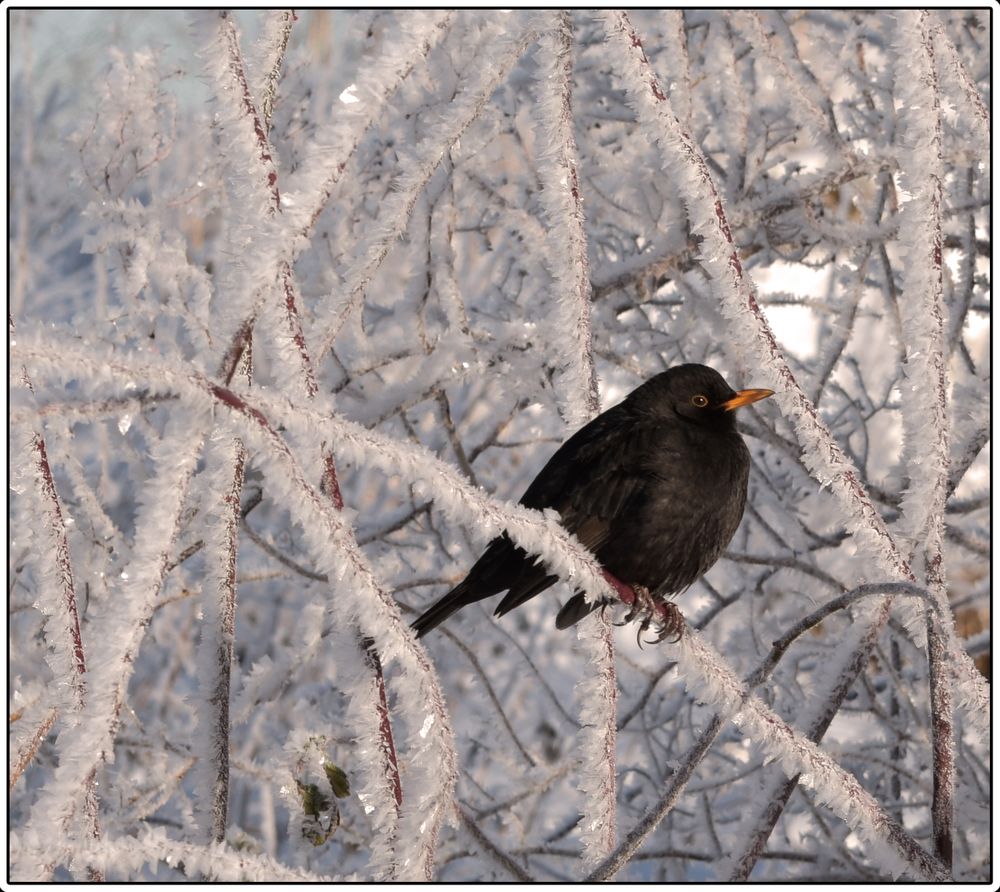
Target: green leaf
(314,803)
(338,780)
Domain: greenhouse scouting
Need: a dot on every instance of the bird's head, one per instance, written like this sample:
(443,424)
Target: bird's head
(696,394)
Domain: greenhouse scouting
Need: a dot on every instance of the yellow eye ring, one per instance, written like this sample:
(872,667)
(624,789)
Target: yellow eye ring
(699,401)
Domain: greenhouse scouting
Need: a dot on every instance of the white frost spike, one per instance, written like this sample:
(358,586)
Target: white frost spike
(426,727)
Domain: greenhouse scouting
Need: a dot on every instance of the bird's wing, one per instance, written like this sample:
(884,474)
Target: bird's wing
(592,477)
(606,490)
(596,477)
(609,477)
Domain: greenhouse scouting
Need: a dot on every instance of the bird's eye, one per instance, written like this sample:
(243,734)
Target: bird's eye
(699,401)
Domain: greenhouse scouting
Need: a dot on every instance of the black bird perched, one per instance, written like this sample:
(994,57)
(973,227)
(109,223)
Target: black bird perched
(655,488)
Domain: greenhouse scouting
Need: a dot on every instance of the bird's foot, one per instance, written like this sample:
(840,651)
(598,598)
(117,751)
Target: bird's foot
(669,623)
(664,616)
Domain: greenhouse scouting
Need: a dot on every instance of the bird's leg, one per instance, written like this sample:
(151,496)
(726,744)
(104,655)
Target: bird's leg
(667,616)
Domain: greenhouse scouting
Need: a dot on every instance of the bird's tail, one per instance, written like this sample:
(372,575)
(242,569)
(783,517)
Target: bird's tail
(575,609)
(431,618)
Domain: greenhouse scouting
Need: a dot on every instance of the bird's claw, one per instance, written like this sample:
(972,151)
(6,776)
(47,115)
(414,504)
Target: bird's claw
(665,616)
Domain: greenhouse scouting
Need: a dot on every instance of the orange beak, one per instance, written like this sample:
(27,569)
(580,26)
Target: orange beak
(745,397)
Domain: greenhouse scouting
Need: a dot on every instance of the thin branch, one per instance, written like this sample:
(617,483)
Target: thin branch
(491,848)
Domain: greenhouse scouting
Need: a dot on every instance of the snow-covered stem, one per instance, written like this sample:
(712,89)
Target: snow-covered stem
(386,741)
(925,442)
(951,63)
(222,479)
(29,747)
(926,433)
(59,590)
(64,604)
(566,247)
(132,854)
(597,698)
(272,45)
(267,172)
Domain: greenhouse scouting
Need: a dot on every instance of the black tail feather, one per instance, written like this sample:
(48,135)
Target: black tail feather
(524,590)
(575,609)
(455,600)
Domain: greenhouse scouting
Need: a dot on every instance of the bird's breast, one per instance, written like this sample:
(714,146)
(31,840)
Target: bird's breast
(688,513)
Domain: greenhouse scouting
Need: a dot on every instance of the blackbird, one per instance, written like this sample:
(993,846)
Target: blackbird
(655,488)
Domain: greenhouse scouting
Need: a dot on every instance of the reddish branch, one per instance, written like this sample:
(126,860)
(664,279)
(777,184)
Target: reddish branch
(219,695)
(239,73)
(386,743)
(929,524)
(27,752)
(330,484)
(65,569)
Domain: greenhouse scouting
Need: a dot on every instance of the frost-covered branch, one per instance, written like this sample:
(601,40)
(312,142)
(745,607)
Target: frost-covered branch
(29,745)
(563,204)
(225,460)
(130,855)
(272,45)
(797,755)
(597,696)
(926,434)
(125,623)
